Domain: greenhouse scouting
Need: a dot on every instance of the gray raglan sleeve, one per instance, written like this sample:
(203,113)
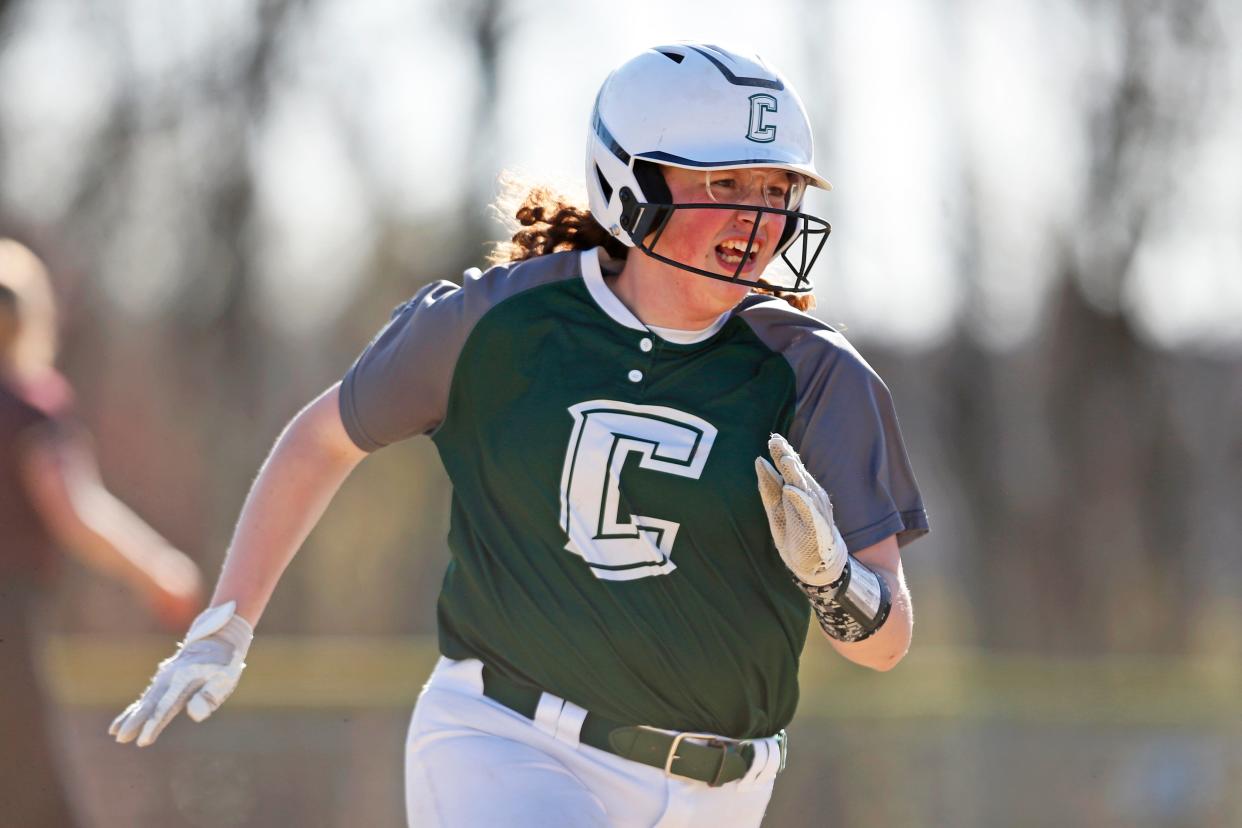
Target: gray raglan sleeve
(399,385)
(845,429)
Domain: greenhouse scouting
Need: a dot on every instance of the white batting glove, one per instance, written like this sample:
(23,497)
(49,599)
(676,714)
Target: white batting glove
(800,516)
(199,676)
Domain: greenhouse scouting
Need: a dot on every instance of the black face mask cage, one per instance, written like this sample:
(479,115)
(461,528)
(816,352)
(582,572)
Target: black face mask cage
(646,222)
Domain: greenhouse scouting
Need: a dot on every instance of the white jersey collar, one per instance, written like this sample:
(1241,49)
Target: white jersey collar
(593,275)
(602,294)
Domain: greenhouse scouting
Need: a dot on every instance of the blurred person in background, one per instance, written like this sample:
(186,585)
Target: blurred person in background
(52,499)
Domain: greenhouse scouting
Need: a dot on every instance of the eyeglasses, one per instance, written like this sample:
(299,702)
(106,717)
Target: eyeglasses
(776,188)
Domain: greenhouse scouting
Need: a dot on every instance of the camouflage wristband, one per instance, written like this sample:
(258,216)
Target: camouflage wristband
(852,607)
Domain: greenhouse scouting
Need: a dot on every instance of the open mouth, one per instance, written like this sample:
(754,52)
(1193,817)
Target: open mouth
(731,252)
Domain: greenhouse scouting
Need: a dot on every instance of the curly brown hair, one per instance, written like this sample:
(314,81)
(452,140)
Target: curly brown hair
(543,219)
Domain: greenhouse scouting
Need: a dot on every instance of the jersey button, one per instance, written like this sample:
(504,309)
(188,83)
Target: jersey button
(644,344)
(636,376)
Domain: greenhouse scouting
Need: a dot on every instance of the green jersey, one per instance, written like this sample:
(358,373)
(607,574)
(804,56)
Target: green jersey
(608,541)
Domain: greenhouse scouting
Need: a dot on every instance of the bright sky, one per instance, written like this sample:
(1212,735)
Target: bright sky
(956,143)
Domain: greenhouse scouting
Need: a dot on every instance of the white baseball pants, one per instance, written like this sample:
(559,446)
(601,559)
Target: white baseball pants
(471,762)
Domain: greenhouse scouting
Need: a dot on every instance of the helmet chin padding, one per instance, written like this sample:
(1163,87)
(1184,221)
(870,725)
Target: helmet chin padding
(650,178)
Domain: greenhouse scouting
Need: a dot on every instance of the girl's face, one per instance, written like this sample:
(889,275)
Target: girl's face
(714,239)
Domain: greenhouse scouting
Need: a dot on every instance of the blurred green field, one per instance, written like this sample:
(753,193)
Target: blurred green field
(949,738)
(305,672)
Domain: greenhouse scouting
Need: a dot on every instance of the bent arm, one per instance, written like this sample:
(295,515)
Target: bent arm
(889,644)
(63,483)
(311,459)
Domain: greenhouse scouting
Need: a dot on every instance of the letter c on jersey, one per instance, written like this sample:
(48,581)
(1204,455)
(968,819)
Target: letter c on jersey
(619,546)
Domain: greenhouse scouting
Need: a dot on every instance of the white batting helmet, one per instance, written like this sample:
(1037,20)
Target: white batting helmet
(695,106)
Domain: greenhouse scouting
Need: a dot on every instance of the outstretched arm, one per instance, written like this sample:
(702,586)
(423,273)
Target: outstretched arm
(310,461)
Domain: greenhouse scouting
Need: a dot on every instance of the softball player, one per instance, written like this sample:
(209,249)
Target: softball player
(52,501)
(658,472)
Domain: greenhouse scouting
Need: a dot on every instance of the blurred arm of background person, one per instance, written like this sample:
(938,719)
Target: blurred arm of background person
(307,466)
(87,520)
(55,465)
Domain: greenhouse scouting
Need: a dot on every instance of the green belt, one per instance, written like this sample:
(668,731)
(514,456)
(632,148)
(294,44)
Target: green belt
(709,759)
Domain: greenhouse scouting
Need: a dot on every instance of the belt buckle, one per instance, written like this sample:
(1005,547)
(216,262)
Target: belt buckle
(711,741)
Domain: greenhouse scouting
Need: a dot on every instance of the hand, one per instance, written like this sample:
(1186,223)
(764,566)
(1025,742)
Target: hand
(199,676)
(800,516)
(174,590)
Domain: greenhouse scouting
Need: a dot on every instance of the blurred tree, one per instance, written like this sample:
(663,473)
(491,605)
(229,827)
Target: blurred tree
(1075,471)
